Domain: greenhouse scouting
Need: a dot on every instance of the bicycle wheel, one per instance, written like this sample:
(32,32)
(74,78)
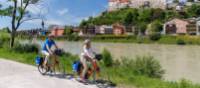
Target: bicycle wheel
(42,70)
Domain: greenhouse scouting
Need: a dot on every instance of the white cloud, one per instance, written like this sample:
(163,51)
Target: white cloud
(37,10)
(62,12)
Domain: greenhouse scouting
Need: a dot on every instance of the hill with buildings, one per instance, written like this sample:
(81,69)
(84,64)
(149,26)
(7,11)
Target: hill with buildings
(139,19)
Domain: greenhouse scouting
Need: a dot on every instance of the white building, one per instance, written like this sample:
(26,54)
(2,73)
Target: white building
(118,4)
(104,29)
(163,4)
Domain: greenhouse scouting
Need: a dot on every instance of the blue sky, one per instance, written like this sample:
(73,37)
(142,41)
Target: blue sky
(60,12)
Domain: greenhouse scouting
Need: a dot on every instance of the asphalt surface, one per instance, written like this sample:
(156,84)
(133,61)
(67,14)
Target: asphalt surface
(18,75)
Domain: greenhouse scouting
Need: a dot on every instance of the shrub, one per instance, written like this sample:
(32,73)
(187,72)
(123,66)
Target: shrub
(73,37)
(155,36)
(148,66)
(4,37)
(180,42)
(1,43)
(107,58)
(168,40)
(26,48)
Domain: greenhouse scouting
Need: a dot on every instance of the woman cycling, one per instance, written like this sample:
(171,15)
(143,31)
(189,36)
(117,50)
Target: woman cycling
(88,55)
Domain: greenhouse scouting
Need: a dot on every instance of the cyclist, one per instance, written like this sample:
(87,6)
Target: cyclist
(46,49)
(88,55)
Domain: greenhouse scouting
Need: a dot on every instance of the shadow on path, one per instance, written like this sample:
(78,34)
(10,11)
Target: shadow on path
(98,83)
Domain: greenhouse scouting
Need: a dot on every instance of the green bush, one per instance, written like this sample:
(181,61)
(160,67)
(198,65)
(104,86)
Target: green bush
(1,43)
(148,66)
(155,36)
(25,48)
(107,58)
(4,36)
(167,40)
(73,37)
(185,84)
(180,42)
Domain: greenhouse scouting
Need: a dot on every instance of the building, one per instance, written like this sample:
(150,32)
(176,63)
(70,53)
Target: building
(104,29)
(57,31)
(198,25)
(181,27)
(118,4)
(118,29)
(163,4)
(31,32)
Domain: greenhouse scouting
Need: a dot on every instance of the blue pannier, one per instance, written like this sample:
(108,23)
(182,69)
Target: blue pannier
(76,66)
(38,60)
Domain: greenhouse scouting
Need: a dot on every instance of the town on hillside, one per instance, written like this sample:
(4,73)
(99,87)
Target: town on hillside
(183,24)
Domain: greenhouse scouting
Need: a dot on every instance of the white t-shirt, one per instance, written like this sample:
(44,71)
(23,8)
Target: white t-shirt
(89,52)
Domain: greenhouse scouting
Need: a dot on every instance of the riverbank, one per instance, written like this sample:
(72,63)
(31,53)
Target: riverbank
(160,39)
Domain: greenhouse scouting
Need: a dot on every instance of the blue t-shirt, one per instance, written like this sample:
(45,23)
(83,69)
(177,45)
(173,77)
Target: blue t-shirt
(48,42)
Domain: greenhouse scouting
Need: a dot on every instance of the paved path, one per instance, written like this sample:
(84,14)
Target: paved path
(17,75)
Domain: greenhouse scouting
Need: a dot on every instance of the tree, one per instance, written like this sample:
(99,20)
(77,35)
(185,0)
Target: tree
(18,12)
(170,14)
(6,29)
(131,18)
(145,15)
(155,27)
(194,10)
(68,30)
(154,30)
(176,1)
(158,14)
(191,0)
(141,27)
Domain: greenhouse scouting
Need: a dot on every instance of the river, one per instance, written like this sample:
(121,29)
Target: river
(178,61)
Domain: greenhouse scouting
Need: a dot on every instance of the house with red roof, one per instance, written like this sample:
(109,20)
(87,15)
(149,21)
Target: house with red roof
(57,31)
(180,27)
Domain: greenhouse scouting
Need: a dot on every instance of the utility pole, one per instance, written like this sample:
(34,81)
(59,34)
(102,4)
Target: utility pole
(42,24)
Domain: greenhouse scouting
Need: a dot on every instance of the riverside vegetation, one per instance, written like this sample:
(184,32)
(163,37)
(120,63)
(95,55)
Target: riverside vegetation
(139,72)
(179,40)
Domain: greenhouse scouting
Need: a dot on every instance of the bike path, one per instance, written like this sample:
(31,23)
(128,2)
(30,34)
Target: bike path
(18,75)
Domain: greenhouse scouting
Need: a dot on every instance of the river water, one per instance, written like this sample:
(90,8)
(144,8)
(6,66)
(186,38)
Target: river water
(178,61)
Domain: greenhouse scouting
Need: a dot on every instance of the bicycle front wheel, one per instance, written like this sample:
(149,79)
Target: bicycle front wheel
(42,70)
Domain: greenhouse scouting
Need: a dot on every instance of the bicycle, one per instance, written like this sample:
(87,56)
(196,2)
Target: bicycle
(92,70)
(50,66)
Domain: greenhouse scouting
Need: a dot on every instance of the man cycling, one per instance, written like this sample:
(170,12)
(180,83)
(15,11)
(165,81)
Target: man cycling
(87,55)
(46,49)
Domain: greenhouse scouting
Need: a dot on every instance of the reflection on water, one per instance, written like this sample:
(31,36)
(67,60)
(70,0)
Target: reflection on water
(178,61)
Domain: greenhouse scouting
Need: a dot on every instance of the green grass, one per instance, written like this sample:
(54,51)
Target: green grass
(27,58)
